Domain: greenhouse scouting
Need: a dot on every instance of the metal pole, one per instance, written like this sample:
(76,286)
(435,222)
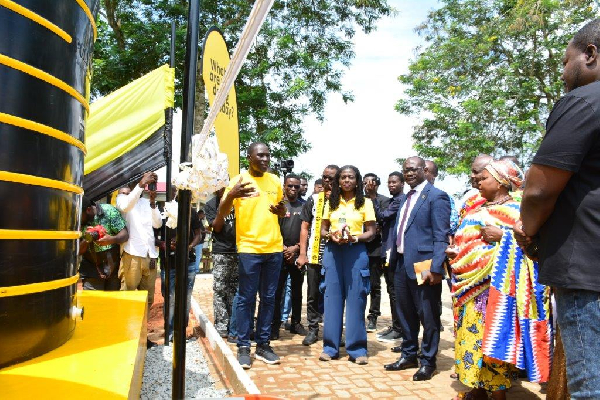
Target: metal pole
(184,197)
(169,162)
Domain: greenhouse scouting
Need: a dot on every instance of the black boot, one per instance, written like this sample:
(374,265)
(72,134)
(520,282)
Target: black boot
(311,338)
(275,331)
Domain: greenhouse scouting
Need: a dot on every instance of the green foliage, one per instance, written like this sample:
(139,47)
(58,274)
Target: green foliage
(488,76)
(299,56)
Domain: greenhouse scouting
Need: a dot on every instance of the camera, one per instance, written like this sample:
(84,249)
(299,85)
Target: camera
(286,166)
(152,186)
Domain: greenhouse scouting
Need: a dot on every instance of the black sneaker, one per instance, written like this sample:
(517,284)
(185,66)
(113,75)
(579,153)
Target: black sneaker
(372,324)
(298,329)
(311,338)
(222,333)
(287,326)
(385,331)
(391,337)
(244,357)
(265,353)
(232,339)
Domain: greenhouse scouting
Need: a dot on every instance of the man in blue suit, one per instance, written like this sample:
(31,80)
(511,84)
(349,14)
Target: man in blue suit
(420,234)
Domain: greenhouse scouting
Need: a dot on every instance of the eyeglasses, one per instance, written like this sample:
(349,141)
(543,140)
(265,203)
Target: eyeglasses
(409,170)
(293,186)
(327,177)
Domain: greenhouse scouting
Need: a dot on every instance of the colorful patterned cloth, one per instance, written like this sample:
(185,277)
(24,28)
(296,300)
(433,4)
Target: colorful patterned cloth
(516,328)
(474,369)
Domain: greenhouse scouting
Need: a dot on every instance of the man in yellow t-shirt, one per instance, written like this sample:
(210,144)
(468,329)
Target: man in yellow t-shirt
(257,197)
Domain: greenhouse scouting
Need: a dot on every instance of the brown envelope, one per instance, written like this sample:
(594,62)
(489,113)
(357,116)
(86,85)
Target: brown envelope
(420,267)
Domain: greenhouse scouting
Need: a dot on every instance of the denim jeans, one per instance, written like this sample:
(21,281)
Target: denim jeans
(286,300)
(191,272)
(233,318)
(198,251)
(259,273)
(579,321)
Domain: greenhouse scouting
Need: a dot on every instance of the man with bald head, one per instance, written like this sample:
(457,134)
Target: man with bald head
(257,198)
(420,237)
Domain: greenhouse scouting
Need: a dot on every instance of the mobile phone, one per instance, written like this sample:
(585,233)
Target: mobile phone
(152,186)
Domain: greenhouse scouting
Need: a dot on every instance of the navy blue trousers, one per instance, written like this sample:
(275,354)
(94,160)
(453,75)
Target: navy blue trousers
(418,305)
(347,283)
(258,273)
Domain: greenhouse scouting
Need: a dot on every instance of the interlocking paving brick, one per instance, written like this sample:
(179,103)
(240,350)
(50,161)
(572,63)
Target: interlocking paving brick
(302,375)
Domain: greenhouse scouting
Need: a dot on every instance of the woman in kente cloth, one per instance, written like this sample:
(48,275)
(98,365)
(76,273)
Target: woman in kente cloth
(501,312)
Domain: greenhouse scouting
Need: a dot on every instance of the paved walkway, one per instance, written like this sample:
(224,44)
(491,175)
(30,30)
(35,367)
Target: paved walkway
(301,374)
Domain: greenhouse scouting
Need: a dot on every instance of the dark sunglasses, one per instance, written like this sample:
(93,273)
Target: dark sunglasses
(293,186)
(327,178)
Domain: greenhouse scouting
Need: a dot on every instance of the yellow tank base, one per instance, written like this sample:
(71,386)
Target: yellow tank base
(103,360)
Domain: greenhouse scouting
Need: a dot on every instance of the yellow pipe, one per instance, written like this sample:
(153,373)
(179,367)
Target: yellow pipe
(87,12)
(46,77)
(19,9)
(38,235)
(43,129)
(10,291)
(39,181)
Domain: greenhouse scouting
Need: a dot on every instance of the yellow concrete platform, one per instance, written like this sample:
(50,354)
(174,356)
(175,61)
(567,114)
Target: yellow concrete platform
(103,360)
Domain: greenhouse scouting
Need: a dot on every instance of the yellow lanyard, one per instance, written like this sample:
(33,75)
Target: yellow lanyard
(314,256)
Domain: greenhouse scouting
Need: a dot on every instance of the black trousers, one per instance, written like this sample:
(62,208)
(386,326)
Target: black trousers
(377,269)
(418,305)
(111,284)
(297,280)
(313,280)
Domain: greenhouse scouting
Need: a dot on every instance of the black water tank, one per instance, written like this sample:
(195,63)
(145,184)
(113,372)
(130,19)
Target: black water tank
(45,55)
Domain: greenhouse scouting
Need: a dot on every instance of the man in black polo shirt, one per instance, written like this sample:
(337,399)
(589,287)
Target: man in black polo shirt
(560,211)
(290,231)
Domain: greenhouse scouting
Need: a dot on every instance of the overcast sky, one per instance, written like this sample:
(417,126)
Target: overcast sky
(368,132)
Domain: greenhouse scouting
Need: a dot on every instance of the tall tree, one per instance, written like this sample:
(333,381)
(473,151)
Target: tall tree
(299,56)
(488,76)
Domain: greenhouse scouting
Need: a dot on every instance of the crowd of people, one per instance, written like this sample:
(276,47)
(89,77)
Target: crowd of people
(517,253)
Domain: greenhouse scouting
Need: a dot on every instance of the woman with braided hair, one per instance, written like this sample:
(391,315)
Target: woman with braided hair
(348,222)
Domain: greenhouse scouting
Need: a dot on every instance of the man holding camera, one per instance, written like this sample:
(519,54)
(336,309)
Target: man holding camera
(103,230)
(138,263)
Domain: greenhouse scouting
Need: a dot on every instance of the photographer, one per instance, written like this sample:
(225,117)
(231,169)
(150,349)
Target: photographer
(103,230)
(138,206)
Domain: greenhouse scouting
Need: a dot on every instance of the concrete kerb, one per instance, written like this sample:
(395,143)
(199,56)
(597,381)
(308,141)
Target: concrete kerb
(232,369)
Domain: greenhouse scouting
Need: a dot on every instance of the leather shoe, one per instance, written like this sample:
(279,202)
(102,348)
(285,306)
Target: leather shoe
(396,349)
(402,363)
(424,373)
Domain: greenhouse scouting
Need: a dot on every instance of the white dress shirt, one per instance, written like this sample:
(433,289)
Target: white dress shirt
(413,200)
(141,218)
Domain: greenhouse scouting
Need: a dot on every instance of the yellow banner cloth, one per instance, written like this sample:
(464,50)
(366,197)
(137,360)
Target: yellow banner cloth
(122,120)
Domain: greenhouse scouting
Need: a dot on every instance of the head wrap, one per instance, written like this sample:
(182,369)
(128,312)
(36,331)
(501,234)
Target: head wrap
(507,173)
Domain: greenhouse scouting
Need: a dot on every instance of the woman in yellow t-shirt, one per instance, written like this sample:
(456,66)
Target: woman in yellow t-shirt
(348,222)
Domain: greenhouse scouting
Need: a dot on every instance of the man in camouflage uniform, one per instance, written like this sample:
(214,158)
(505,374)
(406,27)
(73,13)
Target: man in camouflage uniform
(225,266)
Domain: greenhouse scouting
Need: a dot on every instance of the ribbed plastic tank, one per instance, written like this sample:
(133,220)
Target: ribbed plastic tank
(45,56)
